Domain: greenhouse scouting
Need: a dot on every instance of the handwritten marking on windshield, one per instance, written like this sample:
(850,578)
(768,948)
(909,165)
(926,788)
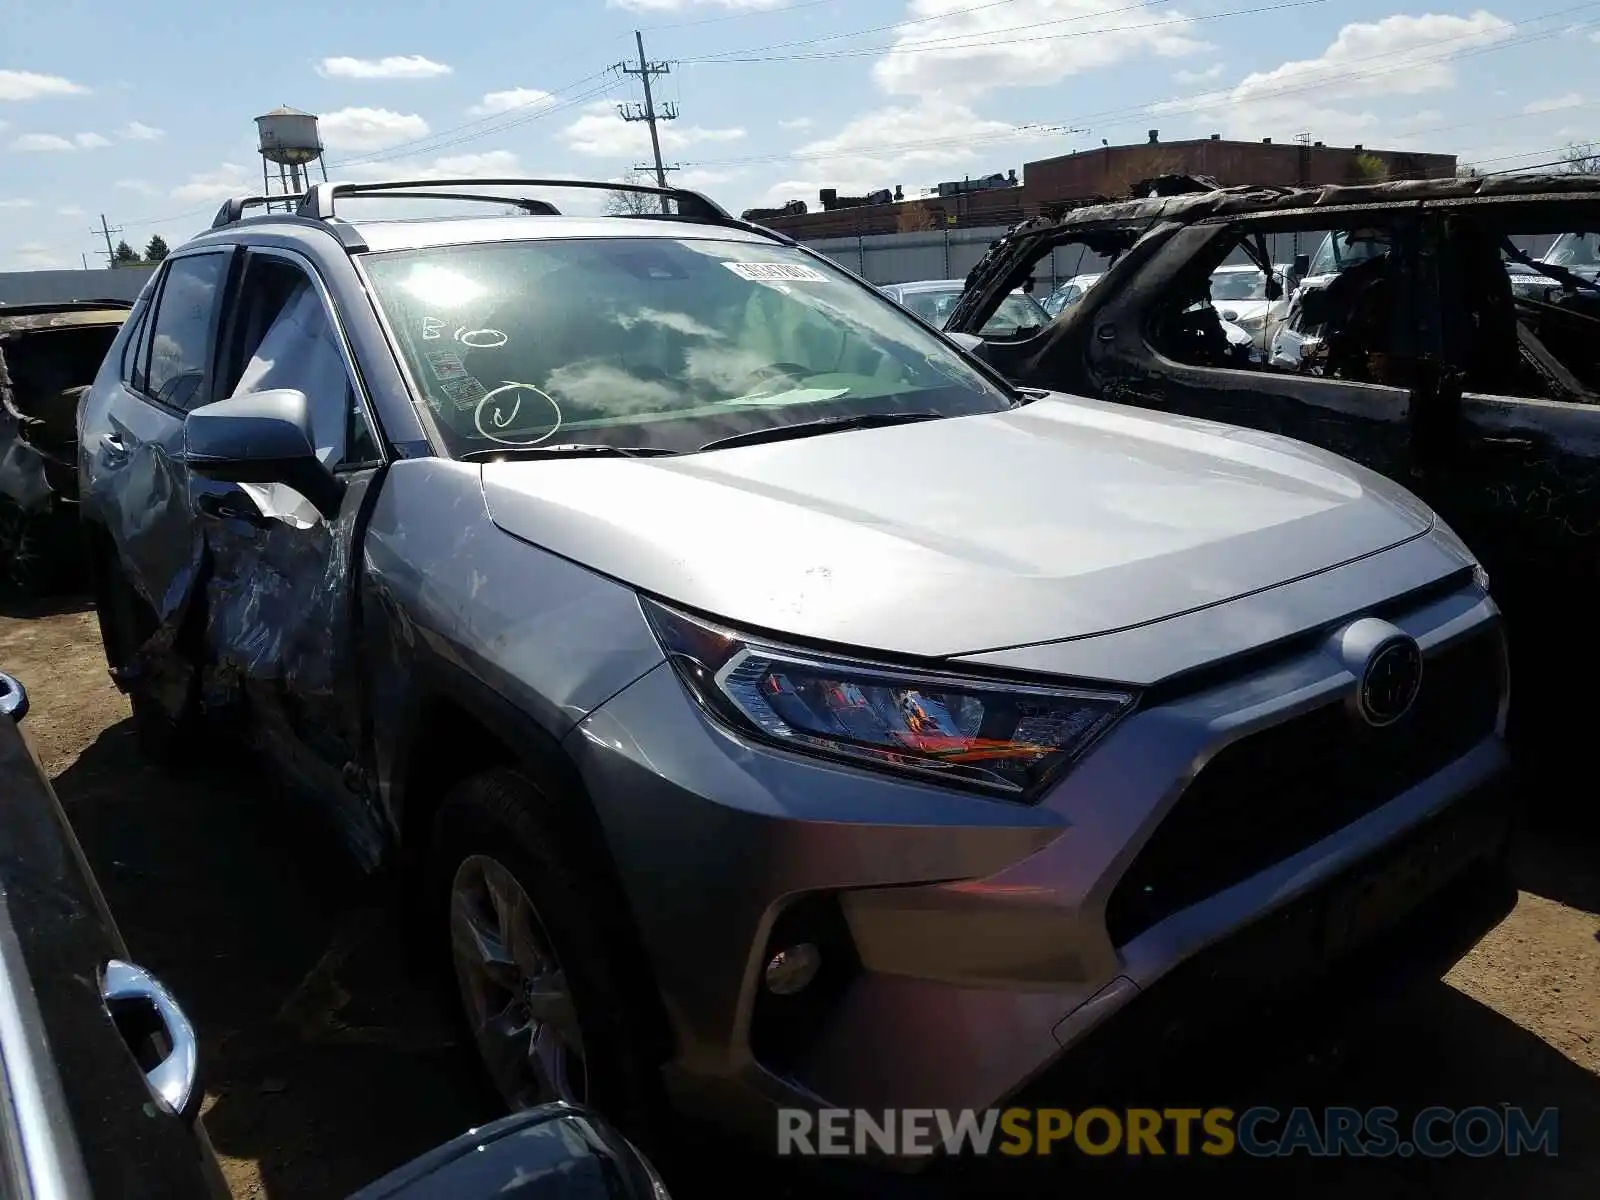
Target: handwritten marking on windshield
(500,408)
(481,339)
(432,327)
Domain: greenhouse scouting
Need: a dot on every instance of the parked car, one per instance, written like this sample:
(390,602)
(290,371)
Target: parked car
(552,1152)
(48,354)
(1069,293)
(766,703)
(98,1062)
(1577,253)
(1406,348)
(932,300)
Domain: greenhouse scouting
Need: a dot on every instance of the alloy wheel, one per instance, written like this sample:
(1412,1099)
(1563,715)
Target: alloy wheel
(513,988)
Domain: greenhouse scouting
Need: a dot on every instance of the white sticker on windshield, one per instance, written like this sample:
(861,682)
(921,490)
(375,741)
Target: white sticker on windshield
(759,272)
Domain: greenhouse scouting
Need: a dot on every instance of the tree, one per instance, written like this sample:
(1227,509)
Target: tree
(156,250)
(1582,158)
(632,204)
(124,255)
(1368,168)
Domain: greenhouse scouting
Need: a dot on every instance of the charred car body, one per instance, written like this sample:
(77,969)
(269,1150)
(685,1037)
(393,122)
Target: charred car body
(49,354)
(745,678)
(1419,344)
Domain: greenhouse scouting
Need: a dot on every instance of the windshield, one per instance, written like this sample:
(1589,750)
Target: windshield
(654,342)
(1238,285)
(1340,251)
(1575,250)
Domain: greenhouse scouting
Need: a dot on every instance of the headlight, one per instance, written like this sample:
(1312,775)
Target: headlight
(1010,739)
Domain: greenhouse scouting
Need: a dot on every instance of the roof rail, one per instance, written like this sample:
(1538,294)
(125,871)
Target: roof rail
(319,200)
(233,210)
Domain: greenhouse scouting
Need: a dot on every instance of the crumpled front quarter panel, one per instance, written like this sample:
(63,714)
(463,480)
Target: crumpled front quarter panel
(446,589)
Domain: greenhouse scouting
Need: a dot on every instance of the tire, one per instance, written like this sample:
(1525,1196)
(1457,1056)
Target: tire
(503,817)
(165,739)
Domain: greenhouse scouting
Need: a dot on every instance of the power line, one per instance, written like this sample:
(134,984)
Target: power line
(943,16)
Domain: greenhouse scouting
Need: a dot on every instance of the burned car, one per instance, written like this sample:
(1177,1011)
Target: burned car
(1410,346)
(49,354)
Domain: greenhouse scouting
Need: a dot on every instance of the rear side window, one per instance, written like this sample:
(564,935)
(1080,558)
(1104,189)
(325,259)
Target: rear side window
(136,354)
(180,348)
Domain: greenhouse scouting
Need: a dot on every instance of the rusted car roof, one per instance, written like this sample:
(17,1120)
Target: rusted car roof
(28,318)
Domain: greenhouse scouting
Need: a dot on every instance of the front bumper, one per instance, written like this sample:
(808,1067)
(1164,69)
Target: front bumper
(972,939)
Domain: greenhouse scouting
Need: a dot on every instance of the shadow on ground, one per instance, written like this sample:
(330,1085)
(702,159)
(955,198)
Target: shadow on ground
(327,1062)
(330,1062)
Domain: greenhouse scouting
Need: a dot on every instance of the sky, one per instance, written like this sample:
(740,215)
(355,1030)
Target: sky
(144,113)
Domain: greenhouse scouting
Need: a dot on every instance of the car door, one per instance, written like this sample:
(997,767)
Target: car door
(1365,419)
(131,436)
(280,602)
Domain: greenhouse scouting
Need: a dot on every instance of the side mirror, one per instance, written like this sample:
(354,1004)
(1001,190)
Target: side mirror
(13,698)
(970,342)
(1274,289)
(263,437)
(1302,265)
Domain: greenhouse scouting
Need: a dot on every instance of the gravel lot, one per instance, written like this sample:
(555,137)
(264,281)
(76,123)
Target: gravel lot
(328,1062)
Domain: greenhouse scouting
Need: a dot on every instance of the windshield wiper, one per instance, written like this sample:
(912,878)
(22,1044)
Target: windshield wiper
(781,433)
(563,450)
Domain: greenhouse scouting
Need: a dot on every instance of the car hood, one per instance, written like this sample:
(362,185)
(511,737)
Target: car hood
(1063,518)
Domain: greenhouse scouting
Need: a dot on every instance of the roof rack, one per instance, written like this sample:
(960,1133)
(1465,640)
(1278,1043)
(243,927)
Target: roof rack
(319,200)
(233,210)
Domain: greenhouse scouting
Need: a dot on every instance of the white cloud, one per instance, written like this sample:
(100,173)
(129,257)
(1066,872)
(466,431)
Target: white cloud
(1555,103)
(996,51)
(797,123)
(1595,36)
(73,210)
(230,179)
(895,145)
(15,202)
(660,6)
(26,85)
(138,131)
(36,256)
(600,132)
(370,128)
(1396,56)
(42,143)
(396,66)
(141,186)
(511,98)
(90,141)
(487,164)
(1214,71)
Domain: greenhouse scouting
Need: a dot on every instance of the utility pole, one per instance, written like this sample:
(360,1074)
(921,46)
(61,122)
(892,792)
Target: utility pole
(106,231)
(647,112)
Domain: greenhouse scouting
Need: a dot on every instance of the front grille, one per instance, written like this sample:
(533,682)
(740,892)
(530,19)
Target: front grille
(1273,793)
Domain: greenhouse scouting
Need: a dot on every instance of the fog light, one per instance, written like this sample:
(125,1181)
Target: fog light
(791,970)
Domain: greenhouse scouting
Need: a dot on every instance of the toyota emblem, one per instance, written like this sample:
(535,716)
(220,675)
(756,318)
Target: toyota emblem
(1391,681)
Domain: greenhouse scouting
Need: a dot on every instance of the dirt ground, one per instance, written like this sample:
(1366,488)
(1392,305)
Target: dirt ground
(328,1062)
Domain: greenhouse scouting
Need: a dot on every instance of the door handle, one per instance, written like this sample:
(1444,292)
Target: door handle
(132,992)
(1509,443)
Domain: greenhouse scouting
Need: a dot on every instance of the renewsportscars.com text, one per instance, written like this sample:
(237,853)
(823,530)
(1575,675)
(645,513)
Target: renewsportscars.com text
(1212,1132)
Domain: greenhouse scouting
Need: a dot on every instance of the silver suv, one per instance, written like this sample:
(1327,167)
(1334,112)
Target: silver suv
(765,703)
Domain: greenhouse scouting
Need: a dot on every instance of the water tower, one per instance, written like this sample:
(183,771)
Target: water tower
(288,138)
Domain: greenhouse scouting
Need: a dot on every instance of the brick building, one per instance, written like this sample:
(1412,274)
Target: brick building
(1112,172)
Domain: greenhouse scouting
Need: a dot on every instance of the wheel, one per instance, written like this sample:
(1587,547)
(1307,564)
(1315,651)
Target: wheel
(535,952)
(166,732)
